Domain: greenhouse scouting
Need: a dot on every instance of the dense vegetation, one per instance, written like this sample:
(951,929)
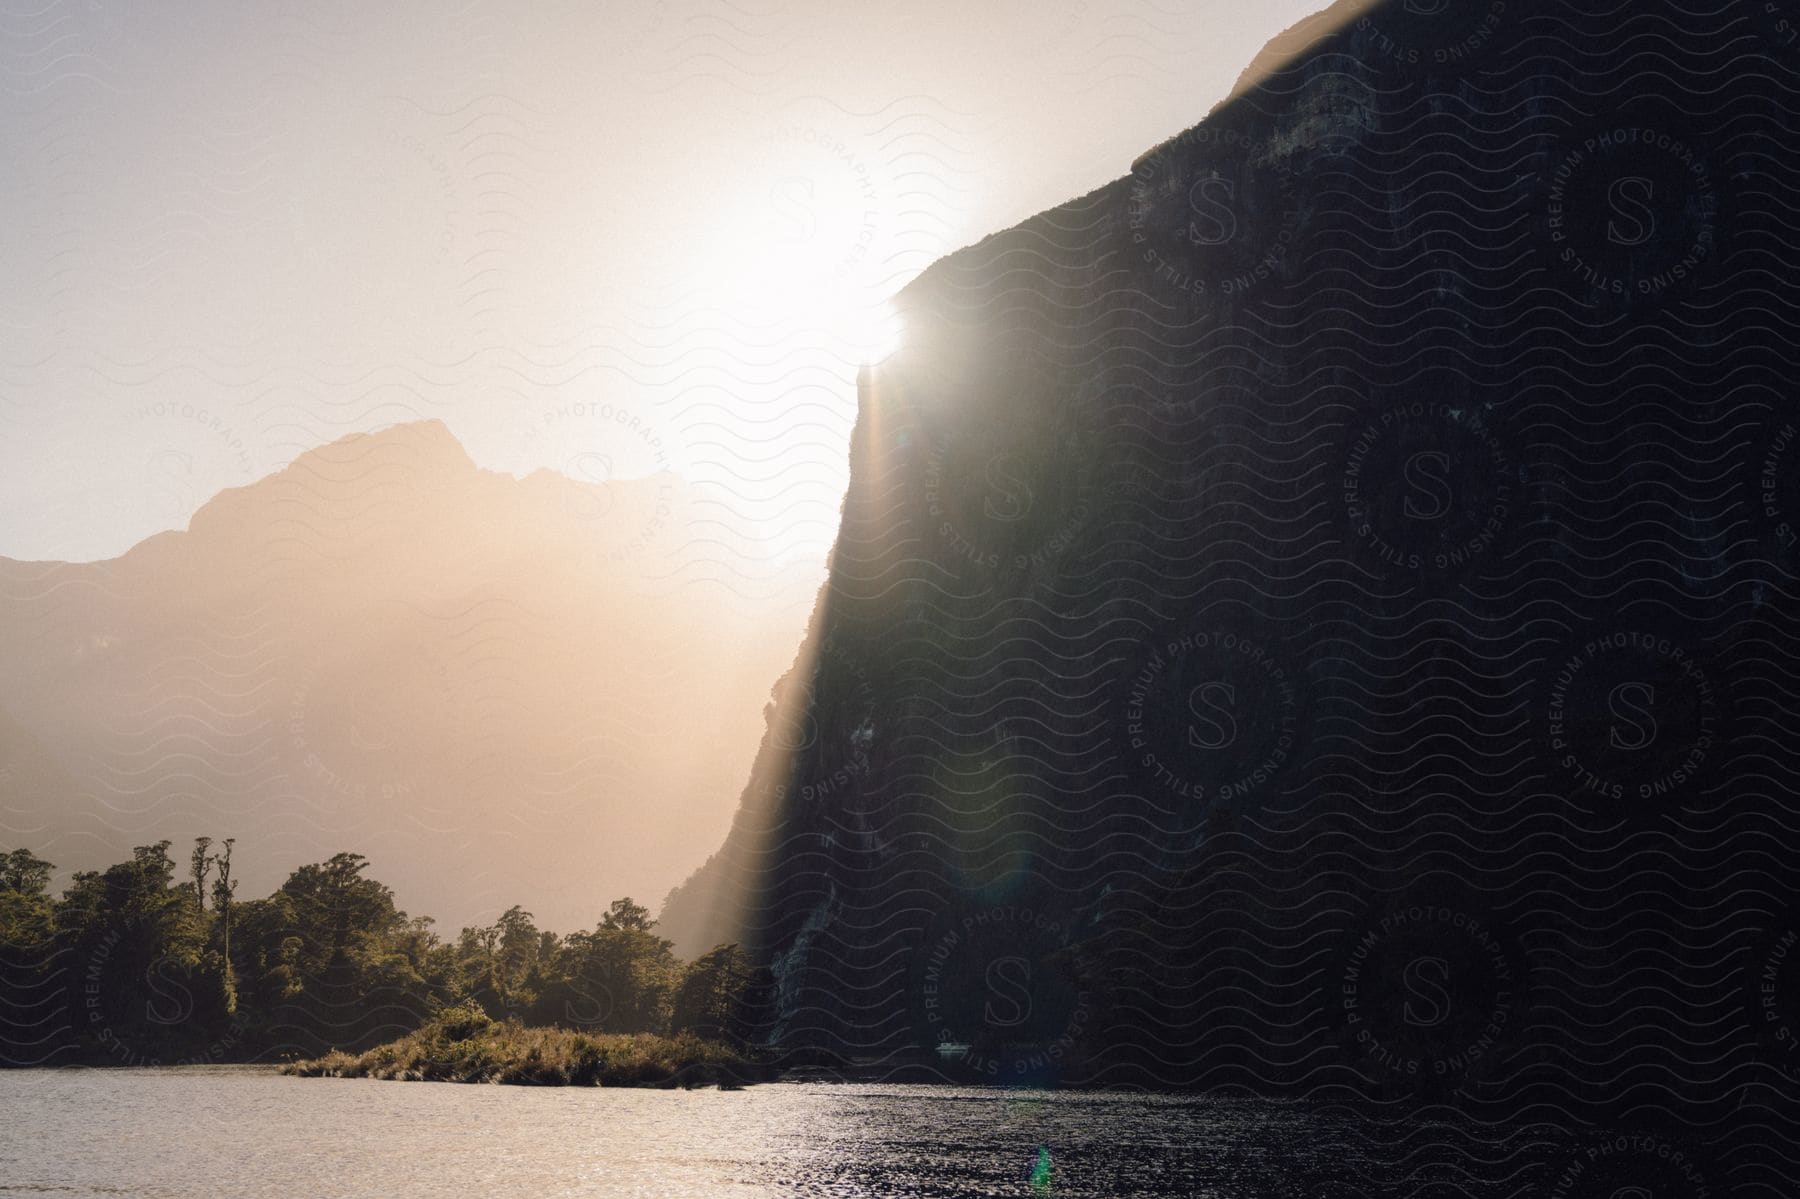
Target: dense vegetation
(465,1044)
(155,961)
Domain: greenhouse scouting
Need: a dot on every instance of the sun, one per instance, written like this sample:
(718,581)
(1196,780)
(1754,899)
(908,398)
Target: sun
(875,334)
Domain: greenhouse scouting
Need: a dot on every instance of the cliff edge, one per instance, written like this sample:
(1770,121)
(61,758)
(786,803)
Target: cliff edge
(1316,615)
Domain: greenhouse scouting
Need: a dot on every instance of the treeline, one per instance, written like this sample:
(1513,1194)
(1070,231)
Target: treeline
(158,961)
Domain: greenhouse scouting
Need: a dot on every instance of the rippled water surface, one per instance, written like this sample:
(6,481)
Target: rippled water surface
(231,1131)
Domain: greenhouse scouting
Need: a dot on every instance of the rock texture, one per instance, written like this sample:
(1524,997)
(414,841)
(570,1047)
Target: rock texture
(1317,615)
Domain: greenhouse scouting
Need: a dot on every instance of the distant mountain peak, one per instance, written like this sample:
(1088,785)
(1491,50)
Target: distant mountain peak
(429,440)
(503,691)
(359,473)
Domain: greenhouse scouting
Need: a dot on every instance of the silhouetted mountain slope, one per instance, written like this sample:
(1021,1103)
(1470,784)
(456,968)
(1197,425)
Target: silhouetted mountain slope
(501,690)
(1328,606)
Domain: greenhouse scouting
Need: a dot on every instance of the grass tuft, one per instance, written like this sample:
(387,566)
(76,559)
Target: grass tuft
(464,1045)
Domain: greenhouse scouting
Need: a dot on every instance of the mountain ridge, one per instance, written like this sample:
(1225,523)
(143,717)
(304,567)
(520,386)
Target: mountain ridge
(383,647)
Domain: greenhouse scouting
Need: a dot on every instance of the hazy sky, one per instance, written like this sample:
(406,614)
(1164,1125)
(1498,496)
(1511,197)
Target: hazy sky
(603,238)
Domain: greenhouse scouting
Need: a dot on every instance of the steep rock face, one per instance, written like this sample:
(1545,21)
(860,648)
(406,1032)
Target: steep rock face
(1318,612)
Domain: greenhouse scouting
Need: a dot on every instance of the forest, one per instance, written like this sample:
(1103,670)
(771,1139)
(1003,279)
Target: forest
(158,961)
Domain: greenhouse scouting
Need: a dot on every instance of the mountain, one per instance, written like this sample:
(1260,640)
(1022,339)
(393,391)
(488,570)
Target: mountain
(1319,615)
(500,690)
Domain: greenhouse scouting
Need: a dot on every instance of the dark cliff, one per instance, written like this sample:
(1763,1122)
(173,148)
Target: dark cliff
(1317,615)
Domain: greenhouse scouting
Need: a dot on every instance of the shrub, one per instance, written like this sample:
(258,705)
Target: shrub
(461,1023)
(464,1046)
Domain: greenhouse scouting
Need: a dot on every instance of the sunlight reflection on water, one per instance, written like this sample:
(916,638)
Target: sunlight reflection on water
(245,1131)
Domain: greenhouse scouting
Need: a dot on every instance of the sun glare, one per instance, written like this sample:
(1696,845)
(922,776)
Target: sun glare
(877,334)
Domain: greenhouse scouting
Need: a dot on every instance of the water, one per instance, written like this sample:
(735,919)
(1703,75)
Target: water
(245,1131)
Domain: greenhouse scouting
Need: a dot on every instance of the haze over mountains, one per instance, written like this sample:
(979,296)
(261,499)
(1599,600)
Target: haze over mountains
(540,691)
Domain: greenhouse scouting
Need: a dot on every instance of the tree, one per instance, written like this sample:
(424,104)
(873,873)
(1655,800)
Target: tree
(337,908)
(517,941)
(32,986)
(326,960)
(341,976)
(224,889)
(620,977)
(718,996)
(24,872)
(267,943)
(627,915)
(139,889)
(199,866)
(138,945)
